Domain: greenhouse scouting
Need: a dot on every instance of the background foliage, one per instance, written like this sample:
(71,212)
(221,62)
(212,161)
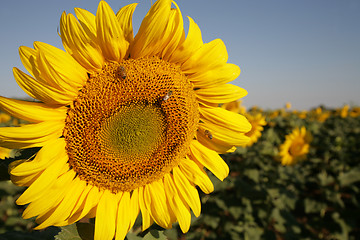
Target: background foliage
(315,199)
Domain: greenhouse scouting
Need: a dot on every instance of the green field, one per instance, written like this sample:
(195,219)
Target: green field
(316,198)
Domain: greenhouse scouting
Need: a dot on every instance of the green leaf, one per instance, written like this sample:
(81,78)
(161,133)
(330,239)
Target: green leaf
(349,177)
(279,223)
(211,221)
(252,174)
(154,234)
(313,206)
(235,211)
(221,203)
(68,233)
(253,232)
(133,236)
(171,234)
(325,179)
(345,229)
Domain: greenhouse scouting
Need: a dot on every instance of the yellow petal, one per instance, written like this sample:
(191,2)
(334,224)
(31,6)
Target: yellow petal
(147,221)
(30,135)
(79,44)
(192,43)
(213,143)
(134,211)
(223,133)
(127,213)
(91,213)
(181,210)
(220,94)
(187,191)
(209,56)
(175,28)
(45,180)
(197,175)
(32,111)
(124,17)
(92,200)
(50,198)
(87,21)
(42,91)
(106,217)
(109,33)
(155,202)
(123,218)
(210,159)
(59,69)
(24,181)
(78,206)
(215,76)
(28,59)
(63,209)
(44,157)
(152,37)
(231,120)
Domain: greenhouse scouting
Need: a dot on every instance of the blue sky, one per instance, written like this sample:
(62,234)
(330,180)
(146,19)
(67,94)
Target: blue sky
(305,52)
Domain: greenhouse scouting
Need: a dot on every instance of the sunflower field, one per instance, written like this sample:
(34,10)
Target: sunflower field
(298,179)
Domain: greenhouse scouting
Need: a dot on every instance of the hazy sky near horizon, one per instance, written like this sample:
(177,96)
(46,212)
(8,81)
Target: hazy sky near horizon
(304,52)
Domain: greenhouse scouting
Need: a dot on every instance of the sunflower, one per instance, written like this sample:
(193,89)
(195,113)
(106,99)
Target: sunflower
(344,111)
(125,125)
(235,106)
(4,118)
(257,121)
(295,147)
(288,105)
(319,114)
(355,112)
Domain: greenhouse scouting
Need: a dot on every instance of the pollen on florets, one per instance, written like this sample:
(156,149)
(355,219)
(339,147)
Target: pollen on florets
(131,123)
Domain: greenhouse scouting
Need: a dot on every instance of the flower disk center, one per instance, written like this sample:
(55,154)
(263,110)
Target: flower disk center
(131,124)
(134,132)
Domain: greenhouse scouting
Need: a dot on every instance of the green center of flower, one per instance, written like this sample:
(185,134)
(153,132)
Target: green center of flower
(131,124)
(296,149)
(134,132)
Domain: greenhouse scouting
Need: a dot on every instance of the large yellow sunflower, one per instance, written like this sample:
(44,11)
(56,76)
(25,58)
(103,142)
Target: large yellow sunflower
(295,147)
(125,124)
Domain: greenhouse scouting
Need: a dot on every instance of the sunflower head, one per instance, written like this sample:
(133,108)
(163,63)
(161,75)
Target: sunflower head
(4,118)
(355,112)
(288,105)
(344,111)
(257,121)
(126,125)
(235,106)
(296,146)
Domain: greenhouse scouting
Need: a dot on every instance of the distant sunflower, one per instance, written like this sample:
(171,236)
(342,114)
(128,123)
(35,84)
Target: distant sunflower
(4,118)
(257,122)
(344,111)
(355,112)
(234,106)
(320,115)
(295,147)
(125,124)
(288,105)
